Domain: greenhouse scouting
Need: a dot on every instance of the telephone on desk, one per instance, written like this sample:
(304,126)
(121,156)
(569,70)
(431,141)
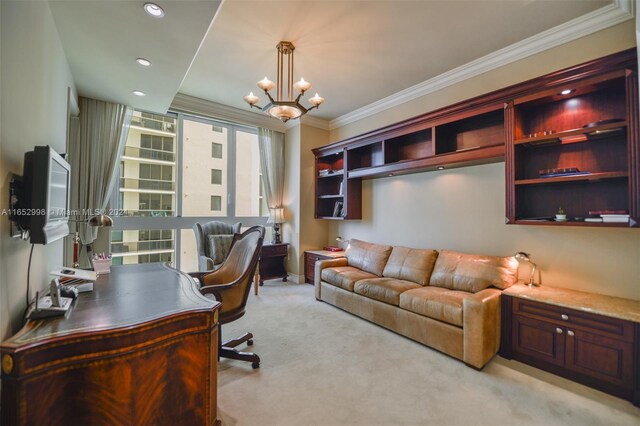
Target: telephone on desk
(56,303)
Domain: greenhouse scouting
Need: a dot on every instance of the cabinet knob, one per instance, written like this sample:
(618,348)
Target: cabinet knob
(570,333)
(564,317)
(558,330)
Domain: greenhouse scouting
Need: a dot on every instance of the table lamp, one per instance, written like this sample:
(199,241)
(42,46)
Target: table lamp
(276,217)
(527,258)
(99,221)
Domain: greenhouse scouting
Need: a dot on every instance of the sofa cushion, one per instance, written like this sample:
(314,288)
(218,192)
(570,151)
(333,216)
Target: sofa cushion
(410,264)
(435,302)
(472,273)
(344,276)
(386,290)
(367,256)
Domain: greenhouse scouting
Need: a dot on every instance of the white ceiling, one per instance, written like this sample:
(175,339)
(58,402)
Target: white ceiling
(103,38)
(354,52)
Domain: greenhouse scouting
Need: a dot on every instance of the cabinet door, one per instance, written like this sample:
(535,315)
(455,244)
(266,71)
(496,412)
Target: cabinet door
(603,358)
(540,340)
(310,267)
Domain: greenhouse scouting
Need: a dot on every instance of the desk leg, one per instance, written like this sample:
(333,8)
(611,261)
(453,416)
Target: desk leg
(256,279)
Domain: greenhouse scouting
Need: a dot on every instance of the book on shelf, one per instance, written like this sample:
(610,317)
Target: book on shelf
(337,209)
(601,212)
(607,219)
(593,219)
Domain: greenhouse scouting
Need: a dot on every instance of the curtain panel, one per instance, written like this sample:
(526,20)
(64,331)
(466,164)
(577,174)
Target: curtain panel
(95,148)
(271,145)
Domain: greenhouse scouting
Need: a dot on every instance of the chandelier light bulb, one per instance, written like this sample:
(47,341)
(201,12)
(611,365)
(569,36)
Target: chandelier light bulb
(266,84)
(251,99)
(316,100)
(302,85)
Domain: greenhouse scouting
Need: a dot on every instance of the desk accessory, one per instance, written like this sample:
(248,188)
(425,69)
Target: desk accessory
(527,258)
(52,305)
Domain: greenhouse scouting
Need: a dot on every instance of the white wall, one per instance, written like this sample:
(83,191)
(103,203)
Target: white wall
(35,76)
(464,209)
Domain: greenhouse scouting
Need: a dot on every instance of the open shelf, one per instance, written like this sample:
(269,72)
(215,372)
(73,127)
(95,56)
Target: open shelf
(573,178)
(571,223)
(474,132)
(565,137)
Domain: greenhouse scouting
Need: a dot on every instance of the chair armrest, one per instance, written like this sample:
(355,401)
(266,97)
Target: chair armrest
(326,263)
(205,263)
(481,326)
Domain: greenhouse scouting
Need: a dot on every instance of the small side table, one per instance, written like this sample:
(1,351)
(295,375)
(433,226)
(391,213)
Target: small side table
(271,264)
(310,259)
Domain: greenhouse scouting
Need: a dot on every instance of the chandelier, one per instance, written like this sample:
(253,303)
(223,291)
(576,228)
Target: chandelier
(284,108)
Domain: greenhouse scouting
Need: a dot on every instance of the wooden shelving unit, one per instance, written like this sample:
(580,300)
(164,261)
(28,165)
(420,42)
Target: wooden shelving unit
(591,127)
(533,127)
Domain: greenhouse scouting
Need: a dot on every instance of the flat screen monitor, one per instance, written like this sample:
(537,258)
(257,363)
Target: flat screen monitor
(46,187)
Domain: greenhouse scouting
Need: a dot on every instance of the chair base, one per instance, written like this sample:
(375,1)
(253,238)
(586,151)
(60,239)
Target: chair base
(228,350)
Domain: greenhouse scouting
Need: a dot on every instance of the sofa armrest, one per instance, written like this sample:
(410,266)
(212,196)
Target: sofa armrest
(327,263)
(481,326)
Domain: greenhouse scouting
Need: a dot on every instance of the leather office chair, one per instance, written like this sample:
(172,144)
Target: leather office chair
(213,240)
(230,284)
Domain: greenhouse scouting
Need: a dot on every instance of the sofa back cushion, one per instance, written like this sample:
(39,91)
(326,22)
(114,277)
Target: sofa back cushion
(367,256)
(473,273)
(410,264)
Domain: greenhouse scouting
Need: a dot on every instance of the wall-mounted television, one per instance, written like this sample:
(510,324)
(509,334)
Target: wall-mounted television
(44,200)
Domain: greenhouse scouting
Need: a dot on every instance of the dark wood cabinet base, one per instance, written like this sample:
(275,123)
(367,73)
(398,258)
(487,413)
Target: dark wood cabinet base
(595,350)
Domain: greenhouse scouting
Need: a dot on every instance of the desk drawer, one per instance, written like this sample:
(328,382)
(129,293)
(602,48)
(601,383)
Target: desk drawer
(273,250)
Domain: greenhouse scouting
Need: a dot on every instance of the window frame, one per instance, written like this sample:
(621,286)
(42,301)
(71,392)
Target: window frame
(178,222)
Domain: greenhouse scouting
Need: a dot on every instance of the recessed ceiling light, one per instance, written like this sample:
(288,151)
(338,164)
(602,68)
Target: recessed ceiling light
(566,92)
(139,93)
(440,167)
(154,10)
(390,174)
(144,62)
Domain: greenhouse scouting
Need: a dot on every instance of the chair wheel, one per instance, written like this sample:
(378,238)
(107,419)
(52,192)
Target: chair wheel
(249,342)
(255,365)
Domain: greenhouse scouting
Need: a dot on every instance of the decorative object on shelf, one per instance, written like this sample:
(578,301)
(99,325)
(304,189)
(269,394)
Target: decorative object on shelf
(566,171)
(284,108)
(276,217)
(561,216)
(522,256)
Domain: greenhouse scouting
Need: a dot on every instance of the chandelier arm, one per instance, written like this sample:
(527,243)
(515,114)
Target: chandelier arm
(270,97)
(256,106)
(313,107)
(299,96)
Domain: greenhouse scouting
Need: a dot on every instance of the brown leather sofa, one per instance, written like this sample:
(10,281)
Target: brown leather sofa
(447,300)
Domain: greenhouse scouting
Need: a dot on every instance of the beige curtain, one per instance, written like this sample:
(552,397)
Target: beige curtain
(95,149)
(271,145)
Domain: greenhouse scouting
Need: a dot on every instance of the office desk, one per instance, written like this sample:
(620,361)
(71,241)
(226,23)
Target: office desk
(140,349)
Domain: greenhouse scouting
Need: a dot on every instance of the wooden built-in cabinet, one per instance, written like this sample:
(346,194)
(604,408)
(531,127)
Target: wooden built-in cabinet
(587,130)
(533,127)
(596,350)
(456,139)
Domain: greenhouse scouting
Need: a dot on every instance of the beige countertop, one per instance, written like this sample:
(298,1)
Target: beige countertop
(616,307)
(327,253)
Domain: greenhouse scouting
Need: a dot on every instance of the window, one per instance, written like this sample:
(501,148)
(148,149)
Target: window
(216,177)
(216,150)
(163,190)
(216,203)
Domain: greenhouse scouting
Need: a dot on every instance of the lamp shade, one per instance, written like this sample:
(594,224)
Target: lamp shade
(100,220)
(276,215)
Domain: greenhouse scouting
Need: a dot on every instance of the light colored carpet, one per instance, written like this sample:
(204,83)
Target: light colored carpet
(323,366)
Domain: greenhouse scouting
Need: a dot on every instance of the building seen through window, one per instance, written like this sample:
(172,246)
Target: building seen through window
(174,168)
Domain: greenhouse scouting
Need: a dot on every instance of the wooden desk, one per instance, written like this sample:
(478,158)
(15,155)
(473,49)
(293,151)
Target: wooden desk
(141,348)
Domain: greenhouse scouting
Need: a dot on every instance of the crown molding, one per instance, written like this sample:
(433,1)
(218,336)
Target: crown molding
(615,13)
(310,121)
(198,106)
